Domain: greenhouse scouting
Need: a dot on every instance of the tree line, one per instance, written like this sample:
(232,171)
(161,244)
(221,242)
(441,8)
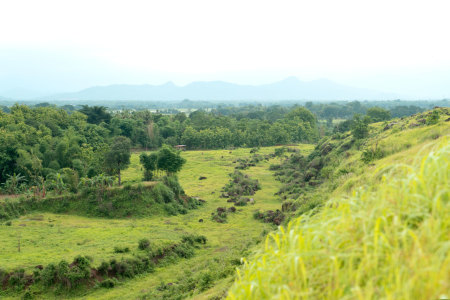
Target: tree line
(46,141)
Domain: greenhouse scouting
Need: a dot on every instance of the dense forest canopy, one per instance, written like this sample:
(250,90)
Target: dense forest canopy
(40,141)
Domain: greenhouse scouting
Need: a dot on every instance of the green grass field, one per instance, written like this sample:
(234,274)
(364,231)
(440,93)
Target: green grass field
(46,238)
(383,234)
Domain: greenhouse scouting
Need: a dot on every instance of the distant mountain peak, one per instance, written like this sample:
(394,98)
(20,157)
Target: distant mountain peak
(291,79)
(290,88)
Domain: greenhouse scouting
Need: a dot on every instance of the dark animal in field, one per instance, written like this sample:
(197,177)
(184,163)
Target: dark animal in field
(221,209)
(202,178)
(232,209)
(200,220)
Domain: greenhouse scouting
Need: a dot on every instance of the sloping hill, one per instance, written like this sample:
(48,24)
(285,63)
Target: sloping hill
(383,233)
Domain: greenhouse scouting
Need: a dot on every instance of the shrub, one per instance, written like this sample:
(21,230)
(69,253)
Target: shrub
(163,194)
(184,250)
(192,239)
(206,281)
(103,268)
(171,209)
(108,283)
(270,216)
(27,295)
(241,185)
(371,154)
(241,201)
(143,244)
(118,249)
(219,217)
(48,275)
(274,167)
(433,118)
(172,183)
(17,279)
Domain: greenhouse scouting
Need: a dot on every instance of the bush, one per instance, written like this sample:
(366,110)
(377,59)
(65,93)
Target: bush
(27,295)
(270,216)
(143,244)
(163,194)
(118,249)
(241,201)
(371,154)
(108,283)
(184,250)
(17,279)
(192,239)
(171,209)
(103,268)
(241,185)
(48,275)
(174,185)
(219,216)
(433,118)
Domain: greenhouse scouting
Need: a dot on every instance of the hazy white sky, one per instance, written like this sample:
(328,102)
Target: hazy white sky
(376,44)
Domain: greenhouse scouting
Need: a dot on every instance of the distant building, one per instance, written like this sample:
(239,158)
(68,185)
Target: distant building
(180,147)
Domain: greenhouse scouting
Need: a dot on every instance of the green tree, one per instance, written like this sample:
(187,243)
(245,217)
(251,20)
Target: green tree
(170,160)
(378,114)
(360,127)
(304,115)
(149,162)
(118,156)
(96,114)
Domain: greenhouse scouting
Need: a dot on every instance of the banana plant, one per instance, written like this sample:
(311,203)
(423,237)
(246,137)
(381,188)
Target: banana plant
(57,183)
(13,182)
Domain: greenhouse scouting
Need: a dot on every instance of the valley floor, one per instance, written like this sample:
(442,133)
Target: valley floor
(46,238)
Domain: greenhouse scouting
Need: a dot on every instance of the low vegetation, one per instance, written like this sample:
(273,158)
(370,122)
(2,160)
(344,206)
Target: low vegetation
(386,240)
(81,274)
(165,197)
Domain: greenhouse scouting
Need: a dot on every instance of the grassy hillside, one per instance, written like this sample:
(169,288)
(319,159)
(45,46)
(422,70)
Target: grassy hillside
(383,233)
(139,200)
(50,237)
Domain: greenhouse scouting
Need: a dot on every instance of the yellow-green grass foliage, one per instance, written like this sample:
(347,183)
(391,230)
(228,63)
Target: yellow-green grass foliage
(388,240)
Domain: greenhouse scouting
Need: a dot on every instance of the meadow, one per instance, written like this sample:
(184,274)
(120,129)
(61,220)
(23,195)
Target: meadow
(46,238)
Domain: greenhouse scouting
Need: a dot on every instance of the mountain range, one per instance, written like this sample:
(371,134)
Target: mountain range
(290,88)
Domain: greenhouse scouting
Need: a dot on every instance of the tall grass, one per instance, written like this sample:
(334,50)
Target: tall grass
(385,241)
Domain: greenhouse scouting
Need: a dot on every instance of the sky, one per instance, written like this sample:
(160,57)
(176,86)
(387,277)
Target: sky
(387,45)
